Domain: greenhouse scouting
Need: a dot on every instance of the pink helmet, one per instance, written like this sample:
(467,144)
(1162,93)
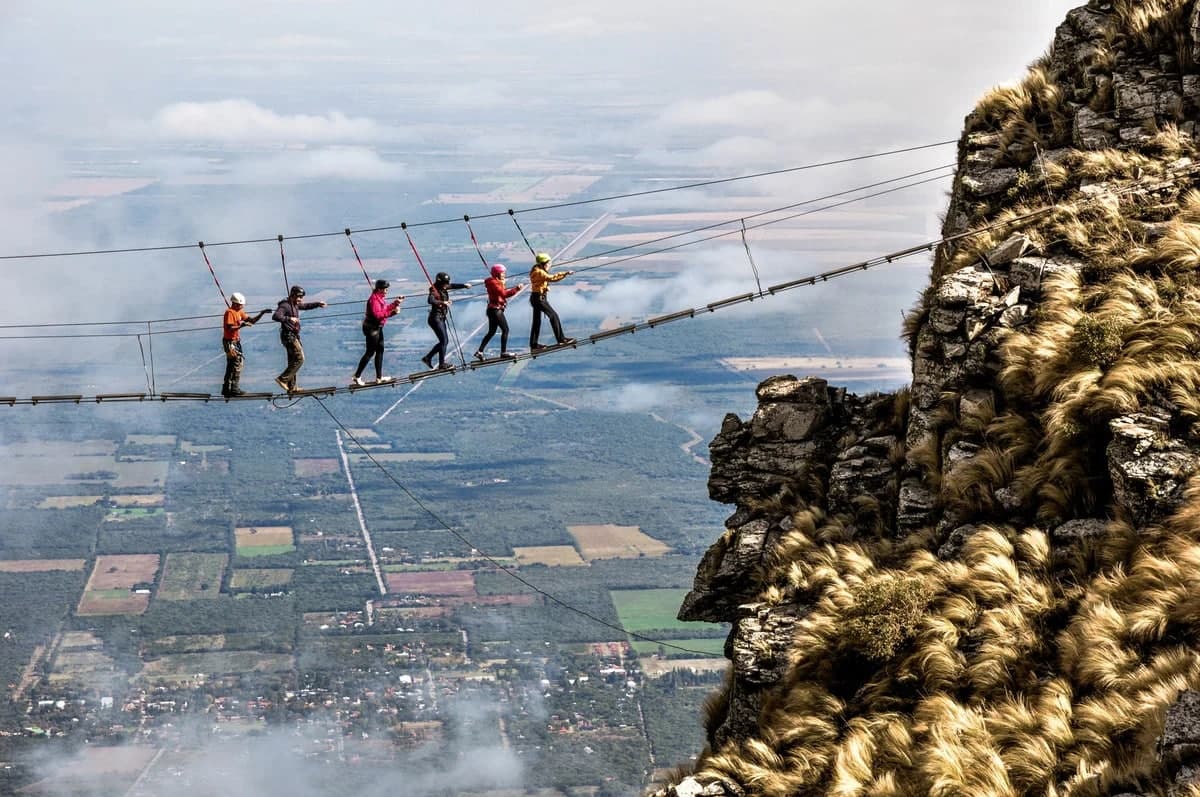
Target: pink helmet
(498,270)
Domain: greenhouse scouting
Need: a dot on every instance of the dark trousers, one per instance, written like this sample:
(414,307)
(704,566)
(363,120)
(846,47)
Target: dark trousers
(496,320)
(374,338)
(295,359)
(234,358)
(541,306)
(438,324)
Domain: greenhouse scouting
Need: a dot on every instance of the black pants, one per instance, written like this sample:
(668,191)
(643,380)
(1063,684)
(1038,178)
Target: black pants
(374,338)
(496,320)
(541,306)
(438,324)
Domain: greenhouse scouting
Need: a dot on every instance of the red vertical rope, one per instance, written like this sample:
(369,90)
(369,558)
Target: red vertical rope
(413,246)
(214,274)
(356,257)
(287,288)
(478,251)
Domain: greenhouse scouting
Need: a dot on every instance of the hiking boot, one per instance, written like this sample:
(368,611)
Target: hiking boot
(428,360)
(357,382)
(233,392)
(479,356)
(283,385)
(537,347)
(507,355)
(566,341)
(383,380)
(445,367)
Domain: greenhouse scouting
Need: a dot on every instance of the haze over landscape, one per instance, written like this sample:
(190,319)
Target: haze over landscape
(191,590)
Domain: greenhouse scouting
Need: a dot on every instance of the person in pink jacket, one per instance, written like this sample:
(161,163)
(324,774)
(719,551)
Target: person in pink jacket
(378,311)
(498,296)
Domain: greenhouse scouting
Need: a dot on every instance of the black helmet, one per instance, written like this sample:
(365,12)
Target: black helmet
(297,291)
(382,285)
(442,278)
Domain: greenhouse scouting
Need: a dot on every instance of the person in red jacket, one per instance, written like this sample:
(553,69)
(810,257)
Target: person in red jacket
(378,311)
(498,296)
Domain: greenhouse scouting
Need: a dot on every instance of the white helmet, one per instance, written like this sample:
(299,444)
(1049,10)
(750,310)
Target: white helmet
(237,298)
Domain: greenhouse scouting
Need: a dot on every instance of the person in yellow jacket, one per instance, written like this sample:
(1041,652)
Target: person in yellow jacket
(539,284)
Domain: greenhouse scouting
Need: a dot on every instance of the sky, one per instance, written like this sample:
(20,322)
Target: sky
(282,93)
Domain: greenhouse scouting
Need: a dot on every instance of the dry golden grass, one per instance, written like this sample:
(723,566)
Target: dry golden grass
(1034,667)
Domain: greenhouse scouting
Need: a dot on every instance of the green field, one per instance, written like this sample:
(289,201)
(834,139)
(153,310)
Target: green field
(650,609)
(713,647)
(188,576)
(264,550)
(250,578)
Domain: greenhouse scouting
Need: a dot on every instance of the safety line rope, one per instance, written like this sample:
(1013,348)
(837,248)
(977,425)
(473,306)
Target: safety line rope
(478,251)
(287,286)
(488,557)
(208,263)
(513,215)
(354,249)
(541,208)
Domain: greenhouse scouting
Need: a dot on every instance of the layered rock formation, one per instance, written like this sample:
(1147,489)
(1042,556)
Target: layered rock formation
(989,583)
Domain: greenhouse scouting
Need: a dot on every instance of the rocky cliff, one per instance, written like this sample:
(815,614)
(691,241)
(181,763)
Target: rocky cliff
(989,583)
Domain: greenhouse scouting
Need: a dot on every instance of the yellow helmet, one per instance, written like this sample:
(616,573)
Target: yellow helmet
(541,258)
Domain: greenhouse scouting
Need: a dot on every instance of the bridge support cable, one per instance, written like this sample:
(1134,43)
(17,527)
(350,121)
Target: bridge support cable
(486,556)
(478,251)
(512,214)
(750,257)
(354,249)
(216,281)
(287,287)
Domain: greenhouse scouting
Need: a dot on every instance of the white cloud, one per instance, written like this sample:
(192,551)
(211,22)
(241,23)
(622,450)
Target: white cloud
(742,108)
(244,122)
(333,163)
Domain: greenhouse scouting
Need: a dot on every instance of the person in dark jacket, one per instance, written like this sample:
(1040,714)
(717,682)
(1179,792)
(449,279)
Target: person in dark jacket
(498,296)
(378,311)
(539,285)
(439,309)
(287,313)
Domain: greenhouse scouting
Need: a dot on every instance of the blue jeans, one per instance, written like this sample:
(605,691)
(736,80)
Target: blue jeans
(438,324)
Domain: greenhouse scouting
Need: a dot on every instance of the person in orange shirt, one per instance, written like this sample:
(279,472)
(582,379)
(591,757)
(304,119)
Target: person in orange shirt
(231,339)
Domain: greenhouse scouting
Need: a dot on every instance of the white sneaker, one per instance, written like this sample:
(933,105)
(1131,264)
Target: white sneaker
(383,380)
(357,382)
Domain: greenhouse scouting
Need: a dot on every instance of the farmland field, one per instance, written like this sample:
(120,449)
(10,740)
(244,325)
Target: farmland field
(563,555)
(715,647)
(40,565)
(251,578)
(68,501)
(409,456)
(184,666)
(315,467)
(188,576)
(451,582)
(264,540)
(109,589)
(122,571)
(615,542)
(650,609)
(154,499)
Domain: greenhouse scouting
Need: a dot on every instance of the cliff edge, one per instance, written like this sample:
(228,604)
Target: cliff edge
(989,583)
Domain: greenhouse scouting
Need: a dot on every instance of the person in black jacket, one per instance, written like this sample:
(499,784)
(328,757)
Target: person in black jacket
(287,313)
(439,308)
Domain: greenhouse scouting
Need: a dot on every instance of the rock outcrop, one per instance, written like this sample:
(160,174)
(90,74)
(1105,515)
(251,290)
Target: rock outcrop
(989,583)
